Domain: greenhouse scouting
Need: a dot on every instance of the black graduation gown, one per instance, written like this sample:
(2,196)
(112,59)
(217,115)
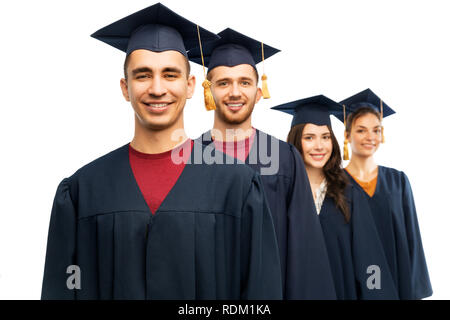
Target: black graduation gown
(211,238)
(304,262)
(353,247)
(393,210)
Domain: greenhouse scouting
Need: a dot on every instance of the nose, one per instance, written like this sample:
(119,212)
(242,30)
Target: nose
(371,136)
(234,91)
(156,87)
(318,145)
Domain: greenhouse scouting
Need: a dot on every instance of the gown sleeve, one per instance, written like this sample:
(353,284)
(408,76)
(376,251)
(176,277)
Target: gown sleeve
(260,261)
(308,271)
(368,251)
(421,284)
(60,246)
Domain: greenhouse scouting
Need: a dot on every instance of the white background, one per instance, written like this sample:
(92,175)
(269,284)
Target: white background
(61,105)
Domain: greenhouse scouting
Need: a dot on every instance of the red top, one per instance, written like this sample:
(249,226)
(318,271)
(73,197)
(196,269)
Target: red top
(156,174)
(236,149)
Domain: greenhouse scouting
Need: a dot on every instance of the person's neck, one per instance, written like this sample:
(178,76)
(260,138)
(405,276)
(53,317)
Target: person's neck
(157,141)
(363,168)
(315,176)
(227,132)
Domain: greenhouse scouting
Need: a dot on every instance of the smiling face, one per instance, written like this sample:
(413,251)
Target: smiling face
(317,145)
(365,135)
(235,92)
(157,86)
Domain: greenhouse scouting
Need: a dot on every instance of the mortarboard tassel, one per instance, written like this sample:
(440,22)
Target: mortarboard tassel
(265,89)
(346,157)
(209,99)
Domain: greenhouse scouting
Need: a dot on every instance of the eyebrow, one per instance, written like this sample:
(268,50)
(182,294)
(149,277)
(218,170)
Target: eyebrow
(222,79)
(362,127)
(147,69)
(172,69)
(313,134)
(229,79)
(141,70)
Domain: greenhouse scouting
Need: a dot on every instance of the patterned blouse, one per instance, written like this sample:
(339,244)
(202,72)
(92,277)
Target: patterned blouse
(321,192)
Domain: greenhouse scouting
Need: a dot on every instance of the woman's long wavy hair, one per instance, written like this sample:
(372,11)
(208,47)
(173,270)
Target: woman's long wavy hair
(336,178)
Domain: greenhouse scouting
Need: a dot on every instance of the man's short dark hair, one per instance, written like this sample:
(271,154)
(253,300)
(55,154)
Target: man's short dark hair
(127,60)
(208,75)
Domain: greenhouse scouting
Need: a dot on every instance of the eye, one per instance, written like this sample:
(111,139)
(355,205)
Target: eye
(245,83)
(327,137)
(222,83)
(307,138)
(171,75)
(142,76)
(378,130)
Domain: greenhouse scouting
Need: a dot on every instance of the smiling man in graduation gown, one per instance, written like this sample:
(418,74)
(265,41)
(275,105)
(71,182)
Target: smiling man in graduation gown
(232,78)
(151,220)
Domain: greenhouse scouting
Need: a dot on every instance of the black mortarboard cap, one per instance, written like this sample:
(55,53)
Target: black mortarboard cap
(315,110)
(365,98)
(156,28)
(232,49)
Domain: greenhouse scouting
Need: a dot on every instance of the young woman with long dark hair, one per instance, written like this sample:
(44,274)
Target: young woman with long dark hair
(388,192)
(355,253)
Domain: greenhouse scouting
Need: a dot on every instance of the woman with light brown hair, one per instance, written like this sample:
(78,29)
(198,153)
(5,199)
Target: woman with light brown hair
(388,192)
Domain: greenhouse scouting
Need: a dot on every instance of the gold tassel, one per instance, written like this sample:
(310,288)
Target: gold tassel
(265,89)
(346,150)
(209,99)
(382,135)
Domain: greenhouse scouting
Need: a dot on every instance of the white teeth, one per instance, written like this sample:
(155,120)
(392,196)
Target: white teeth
(235,104)
(158,105)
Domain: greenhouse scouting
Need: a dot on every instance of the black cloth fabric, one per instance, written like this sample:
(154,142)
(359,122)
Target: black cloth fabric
(211,238)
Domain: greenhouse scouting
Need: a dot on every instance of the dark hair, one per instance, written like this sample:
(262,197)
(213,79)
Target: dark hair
(208,75)
(336,179)
(362,111)
(127,60)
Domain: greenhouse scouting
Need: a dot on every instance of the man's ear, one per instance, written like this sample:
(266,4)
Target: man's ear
(258,94)
(190,86)
(124,87)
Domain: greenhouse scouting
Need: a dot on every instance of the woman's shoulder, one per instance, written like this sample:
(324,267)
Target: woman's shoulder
(394,179)
(391,173)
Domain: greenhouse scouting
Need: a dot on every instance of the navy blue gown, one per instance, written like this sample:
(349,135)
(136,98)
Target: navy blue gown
(304,262)
(353,247)
(211,238)
(393,210)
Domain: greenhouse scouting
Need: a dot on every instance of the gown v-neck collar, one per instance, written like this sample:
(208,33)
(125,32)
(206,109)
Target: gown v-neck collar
(180,181)
(359,182)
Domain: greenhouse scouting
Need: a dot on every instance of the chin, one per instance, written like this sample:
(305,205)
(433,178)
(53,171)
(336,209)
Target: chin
(235,118)
(157,125)
(316,165)
(366,154)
